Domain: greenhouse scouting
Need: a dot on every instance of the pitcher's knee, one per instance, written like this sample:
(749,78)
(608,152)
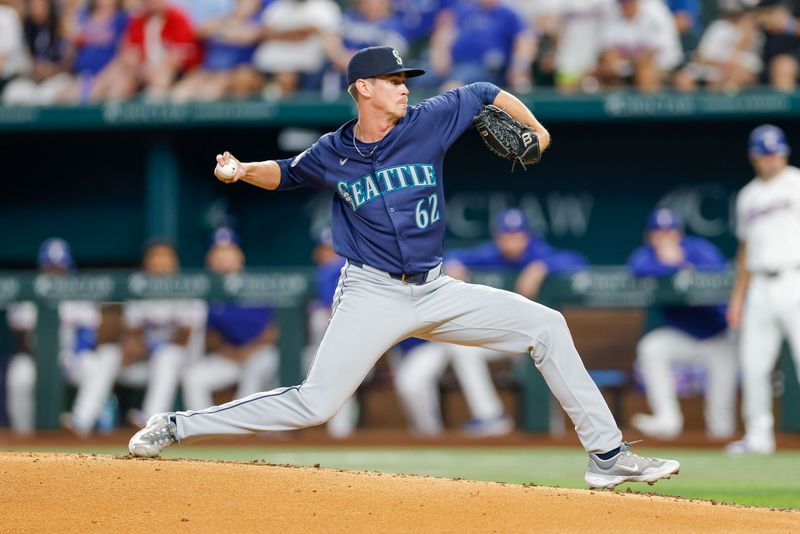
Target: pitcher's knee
(319,417)
(550,332)
(554,322)
(317,413)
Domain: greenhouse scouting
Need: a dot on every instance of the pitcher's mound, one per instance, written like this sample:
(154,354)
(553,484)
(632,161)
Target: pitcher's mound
(79,493)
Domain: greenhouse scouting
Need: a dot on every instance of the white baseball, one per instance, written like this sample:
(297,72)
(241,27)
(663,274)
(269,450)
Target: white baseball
(227,171)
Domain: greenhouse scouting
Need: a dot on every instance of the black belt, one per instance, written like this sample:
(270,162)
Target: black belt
(406,278)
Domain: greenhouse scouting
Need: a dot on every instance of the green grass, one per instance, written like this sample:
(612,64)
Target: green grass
(769,481)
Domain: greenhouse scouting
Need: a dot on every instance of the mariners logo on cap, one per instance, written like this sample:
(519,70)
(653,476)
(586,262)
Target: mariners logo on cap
(378,61)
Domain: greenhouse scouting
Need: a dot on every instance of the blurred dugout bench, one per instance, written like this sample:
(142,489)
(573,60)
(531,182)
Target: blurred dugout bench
(605,307)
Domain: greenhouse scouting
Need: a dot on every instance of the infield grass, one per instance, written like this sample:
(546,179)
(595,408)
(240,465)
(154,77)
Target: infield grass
(767,481)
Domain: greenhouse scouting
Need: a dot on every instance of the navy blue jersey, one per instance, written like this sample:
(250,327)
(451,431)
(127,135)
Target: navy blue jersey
(239,324)
(488,255)
(700,322)
(388,210)
(327,280)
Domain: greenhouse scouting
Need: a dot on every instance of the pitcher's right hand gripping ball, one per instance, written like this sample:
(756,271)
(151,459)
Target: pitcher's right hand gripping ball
(228,168)
(507,137)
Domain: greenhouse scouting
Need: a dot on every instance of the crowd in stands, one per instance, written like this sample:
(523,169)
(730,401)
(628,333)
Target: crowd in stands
(75,51)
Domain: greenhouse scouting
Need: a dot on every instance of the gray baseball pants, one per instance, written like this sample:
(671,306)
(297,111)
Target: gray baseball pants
(372,312)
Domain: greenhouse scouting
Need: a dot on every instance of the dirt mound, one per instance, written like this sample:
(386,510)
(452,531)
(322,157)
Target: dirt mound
(80,493)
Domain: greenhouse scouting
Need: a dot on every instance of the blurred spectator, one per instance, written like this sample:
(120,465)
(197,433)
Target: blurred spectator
(77,333)
(372,24)
(227,68)
(159,46)
(483,41)
(640,46)
(575,27)
(729,55)
(420,18)
(155,341)
(94,35)
(779,21)
(292,54)
(240,338)
(329,267)
(14,58)
(688,334)
(47,78)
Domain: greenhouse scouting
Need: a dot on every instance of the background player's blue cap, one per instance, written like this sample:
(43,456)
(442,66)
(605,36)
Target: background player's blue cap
(767,140)
(224,236)
(377,61)
(55,252)
(664,219)
(511,220)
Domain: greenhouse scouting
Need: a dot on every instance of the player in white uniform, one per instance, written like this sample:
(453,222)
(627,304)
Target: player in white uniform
(240,338)
(158,337)
(417,367)
(77,330)
(766,293)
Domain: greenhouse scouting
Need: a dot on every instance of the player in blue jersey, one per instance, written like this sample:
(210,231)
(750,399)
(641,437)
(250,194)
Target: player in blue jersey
(240,338)
(385,170)
(689,334)
(515,246)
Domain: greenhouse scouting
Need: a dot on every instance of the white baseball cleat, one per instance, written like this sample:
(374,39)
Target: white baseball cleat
(626,466)
(159,433)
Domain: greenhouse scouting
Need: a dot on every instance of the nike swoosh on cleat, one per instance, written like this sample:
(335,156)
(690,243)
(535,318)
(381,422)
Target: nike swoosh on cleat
(631,469)
(343,161)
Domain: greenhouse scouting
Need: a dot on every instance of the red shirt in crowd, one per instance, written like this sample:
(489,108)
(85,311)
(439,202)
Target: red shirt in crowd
(176,35)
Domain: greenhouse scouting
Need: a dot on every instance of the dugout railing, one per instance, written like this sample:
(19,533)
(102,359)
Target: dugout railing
(289,291)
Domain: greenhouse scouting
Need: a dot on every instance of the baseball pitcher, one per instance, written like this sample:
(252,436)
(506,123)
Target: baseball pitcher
(385,171)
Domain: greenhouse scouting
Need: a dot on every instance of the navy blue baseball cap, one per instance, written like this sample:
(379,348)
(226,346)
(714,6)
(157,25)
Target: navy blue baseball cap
(224,236)
(511,221)
(377,61)
(768,140)
(55,252)
(664,219)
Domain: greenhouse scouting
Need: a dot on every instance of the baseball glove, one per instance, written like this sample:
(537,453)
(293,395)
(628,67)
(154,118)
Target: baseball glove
(507,137)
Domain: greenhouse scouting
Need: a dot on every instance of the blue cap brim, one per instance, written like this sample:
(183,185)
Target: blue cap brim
(410,73)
